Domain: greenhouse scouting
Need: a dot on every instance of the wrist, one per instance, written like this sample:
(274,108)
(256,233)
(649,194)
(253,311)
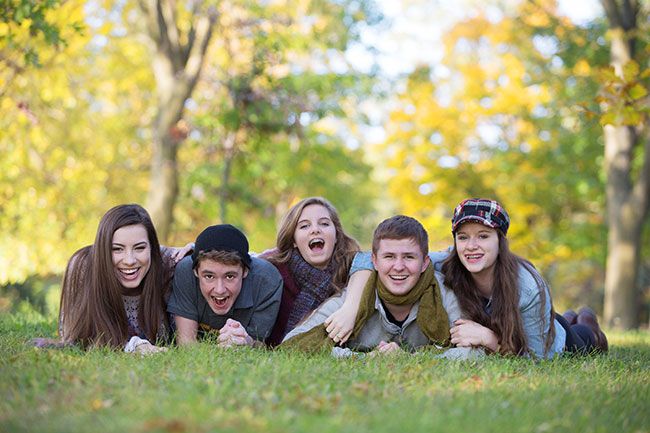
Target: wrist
(491,341)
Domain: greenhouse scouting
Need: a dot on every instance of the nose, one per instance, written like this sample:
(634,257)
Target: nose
(219,287)
(472,243)
(398,264)
(315,228)
(129,257)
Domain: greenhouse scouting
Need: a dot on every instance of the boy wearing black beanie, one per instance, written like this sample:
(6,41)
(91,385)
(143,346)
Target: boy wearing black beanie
(221,288)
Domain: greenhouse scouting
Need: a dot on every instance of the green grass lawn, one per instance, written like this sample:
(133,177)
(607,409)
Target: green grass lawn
(203,389)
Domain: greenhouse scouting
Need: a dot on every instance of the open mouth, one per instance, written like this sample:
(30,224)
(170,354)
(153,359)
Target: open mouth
(129,274)
(220,301)
(474,256)
(398,277)
(316,244)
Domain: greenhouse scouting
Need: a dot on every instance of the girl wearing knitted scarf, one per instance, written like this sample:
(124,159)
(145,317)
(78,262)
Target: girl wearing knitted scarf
(313,254)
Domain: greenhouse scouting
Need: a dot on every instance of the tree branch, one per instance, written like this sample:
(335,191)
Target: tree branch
(612,12)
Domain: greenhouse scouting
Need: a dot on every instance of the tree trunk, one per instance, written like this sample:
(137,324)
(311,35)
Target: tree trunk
(627,198)
(229,148)
(624,223)
(177,66)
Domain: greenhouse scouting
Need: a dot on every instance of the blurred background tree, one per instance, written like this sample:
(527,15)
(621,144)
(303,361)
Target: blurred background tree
(232,110)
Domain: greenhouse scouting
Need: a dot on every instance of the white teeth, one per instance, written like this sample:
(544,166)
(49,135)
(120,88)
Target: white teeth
(129,271)
(315,241)
(399,277)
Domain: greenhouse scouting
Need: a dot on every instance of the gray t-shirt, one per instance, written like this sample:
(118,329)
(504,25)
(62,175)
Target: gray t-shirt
(256,307)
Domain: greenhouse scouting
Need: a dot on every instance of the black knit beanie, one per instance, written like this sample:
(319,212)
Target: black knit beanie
(222,237)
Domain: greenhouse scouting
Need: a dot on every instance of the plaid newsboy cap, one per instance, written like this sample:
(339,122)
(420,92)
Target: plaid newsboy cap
(485,211)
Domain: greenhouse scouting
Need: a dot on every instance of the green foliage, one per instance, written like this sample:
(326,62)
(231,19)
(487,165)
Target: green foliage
(273,121)
(504,121)
(75,137)
(624,97)
(25,26)
(205,389)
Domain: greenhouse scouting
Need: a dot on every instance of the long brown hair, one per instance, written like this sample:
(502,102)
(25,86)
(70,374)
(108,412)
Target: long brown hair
(344,250)
(505,318)
(92,310)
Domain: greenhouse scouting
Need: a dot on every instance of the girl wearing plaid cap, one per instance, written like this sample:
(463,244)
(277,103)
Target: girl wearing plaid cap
(506,301)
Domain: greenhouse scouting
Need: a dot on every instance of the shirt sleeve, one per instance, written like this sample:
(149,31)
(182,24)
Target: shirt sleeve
(449,301)
(362,262)
(267,308)
(534,316)
(437,257)
(183,300)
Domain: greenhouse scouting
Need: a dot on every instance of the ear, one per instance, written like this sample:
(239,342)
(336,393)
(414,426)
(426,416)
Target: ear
(196,272)
(373,257)
(425,263)
(245,272)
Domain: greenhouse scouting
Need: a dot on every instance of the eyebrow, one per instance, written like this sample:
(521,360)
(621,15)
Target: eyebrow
(135,245)
(479,232)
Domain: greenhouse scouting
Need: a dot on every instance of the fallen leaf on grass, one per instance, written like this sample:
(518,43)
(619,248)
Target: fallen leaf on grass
(473,382)
(98,404)
(169,425)
(361,387)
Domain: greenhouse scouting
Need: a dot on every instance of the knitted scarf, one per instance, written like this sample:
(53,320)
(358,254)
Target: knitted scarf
(314,284)
(431,319)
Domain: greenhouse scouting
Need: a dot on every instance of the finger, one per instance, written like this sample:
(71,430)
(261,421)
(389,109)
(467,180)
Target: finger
(233,323)
(345,337)
(224,336)
(459,322)
(332,329)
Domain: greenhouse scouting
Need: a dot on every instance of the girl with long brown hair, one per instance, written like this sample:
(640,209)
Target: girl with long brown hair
(114,292)
(313,254)
(506,302)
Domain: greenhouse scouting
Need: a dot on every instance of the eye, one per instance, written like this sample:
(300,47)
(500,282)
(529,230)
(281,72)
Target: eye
(116,249)
(140,248)
(303,226)
(208,277)
(461,237)
(230,277)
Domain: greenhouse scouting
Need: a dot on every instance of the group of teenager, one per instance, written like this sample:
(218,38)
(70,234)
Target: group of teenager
(316,290)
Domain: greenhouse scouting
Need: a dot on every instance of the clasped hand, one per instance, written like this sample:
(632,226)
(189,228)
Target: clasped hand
(467,333)
(233,334)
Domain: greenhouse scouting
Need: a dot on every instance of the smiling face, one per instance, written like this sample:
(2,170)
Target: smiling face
(399,264)
(220,283)
(315,235)
(478,248)
(131,253)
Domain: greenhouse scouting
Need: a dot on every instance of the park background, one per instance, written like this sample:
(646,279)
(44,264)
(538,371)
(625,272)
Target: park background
(231,111)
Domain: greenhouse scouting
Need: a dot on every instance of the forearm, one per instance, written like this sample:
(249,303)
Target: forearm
(355,288)
(186,330)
